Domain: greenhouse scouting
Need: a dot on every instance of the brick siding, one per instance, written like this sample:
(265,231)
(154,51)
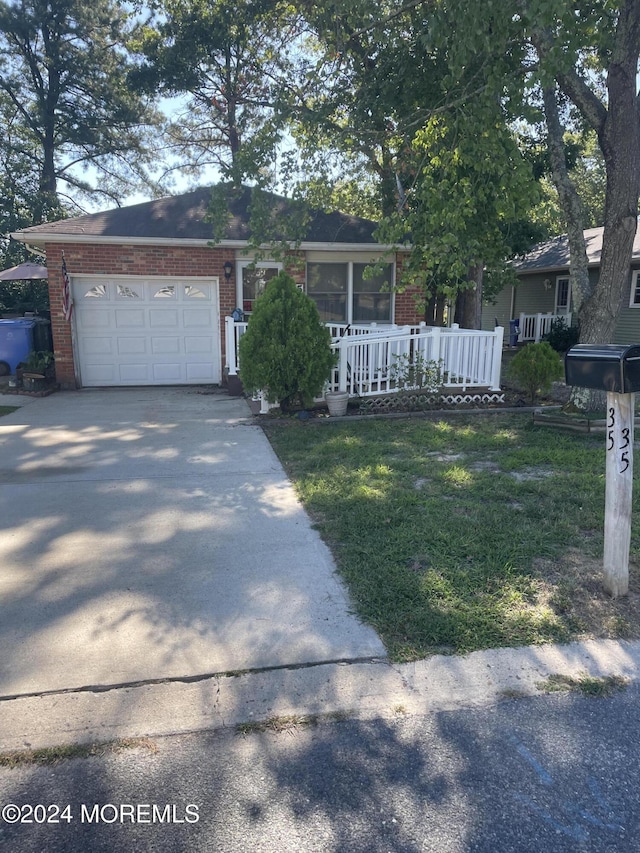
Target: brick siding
(119,259)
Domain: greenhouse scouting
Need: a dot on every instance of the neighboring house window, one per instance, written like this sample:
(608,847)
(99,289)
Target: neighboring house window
(252,280)
(344,294)
(635,290)
(563,296)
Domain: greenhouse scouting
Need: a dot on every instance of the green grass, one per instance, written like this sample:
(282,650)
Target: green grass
(6,410)
(588,685)
(55,754)
(452,534)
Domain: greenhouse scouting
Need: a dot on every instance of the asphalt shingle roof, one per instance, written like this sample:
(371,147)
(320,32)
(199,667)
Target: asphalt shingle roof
(185,217)
(554,254)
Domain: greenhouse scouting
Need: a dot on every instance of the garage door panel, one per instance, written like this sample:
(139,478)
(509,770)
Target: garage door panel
(131,346)
(168,373)
(160,332)
(97,346)
(159,318)
(165,346)
(195,319)
(88,319)
(130,318)
(133,373)
(200,372)
(198,345)
(99,374)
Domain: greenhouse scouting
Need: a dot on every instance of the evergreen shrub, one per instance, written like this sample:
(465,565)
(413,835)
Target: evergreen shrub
(286,349)
(535,367)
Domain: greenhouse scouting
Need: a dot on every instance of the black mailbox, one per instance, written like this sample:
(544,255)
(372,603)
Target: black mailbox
(606,367)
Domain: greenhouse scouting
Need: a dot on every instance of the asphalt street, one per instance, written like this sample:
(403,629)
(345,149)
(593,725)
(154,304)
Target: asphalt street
(556,772)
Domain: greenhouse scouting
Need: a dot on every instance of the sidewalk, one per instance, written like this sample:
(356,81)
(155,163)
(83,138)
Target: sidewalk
(364,689)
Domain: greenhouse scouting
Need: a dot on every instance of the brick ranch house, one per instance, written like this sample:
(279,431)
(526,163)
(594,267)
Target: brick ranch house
(150,290)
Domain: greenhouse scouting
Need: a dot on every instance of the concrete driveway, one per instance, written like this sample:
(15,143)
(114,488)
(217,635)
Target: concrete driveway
(152,534)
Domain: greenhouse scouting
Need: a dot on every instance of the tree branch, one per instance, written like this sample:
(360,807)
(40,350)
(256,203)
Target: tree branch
(573,85)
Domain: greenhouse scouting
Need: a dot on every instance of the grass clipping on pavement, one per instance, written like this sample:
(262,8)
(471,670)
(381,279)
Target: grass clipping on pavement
(470,532)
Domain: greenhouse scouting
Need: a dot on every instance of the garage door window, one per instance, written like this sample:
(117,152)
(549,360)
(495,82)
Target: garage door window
(192,292)
(126,292)
(167,292)
(99,291)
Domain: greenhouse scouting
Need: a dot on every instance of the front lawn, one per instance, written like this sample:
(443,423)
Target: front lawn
(468,532)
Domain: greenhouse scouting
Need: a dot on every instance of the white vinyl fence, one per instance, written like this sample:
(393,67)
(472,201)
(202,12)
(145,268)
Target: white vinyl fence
(376,360)
(533,327)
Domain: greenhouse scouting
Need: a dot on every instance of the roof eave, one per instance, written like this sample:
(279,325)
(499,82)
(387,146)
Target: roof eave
(564,268)
(42,238)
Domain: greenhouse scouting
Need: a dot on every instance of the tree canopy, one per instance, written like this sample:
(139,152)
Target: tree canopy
(223,56)
(74,119)
(448,121)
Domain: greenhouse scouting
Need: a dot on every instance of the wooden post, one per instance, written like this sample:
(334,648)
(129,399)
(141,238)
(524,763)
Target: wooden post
(618,492)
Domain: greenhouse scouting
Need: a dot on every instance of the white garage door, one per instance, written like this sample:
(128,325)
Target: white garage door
(133,331)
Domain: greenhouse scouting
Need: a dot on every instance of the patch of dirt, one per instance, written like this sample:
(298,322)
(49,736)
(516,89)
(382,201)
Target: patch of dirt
(531,474)
(485,465)
(575,592)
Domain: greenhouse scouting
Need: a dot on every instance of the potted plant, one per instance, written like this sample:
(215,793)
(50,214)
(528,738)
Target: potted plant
(36,370)
(337,402)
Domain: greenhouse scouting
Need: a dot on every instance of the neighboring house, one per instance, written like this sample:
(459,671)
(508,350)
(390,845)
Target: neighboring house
(543,289)
(150,292)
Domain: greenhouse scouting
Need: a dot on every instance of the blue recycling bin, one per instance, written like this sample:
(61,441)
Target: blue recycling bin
(16,342)
(514,332)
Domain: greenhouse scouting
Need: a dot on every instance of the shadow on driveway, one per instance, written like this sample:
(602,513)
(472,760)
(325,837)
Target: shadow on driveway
(152,533)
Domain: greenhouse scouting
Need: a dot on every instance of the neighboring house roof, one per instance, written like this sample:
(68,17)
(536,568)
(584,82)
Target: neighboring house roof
(184,217)
(554,254)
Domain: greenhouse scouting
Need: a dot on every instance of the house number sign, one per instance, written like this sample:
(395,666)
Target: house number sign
(625,448)
(618,492)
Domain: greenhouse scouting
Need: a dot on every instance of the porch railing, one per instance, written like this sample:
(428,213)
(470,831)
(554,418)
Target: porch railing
(370,359)
(533,327)
(369,365)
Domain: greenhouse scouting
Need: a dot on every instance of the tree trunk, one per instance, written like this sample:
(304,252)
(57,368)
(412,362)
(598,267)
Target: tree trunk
(617,125)
(468,312)
(620,144)
(434,311)
(569,202)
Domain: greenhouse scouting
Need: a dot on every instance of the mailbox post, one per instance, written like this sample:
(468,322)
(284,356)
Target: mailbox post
(616,370)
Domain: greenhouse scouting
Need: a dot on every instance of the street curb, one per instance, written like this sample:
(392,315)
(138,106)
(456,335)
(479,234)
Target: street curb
(371,689)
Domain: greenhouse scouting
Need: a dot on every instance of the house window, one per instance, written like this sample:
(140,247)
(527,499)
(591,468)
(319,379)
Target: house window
(563,296)
(343,292)
(328,286)
(635,289)
(371,296)
(252,280)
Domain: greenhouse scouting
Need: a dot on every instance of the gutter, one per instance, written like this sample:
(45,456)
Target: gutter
(83,238)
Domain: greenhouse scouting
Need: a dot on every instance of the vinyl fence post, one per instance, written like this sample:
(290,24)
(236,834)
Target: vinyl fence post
(496,365)
(343,364)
